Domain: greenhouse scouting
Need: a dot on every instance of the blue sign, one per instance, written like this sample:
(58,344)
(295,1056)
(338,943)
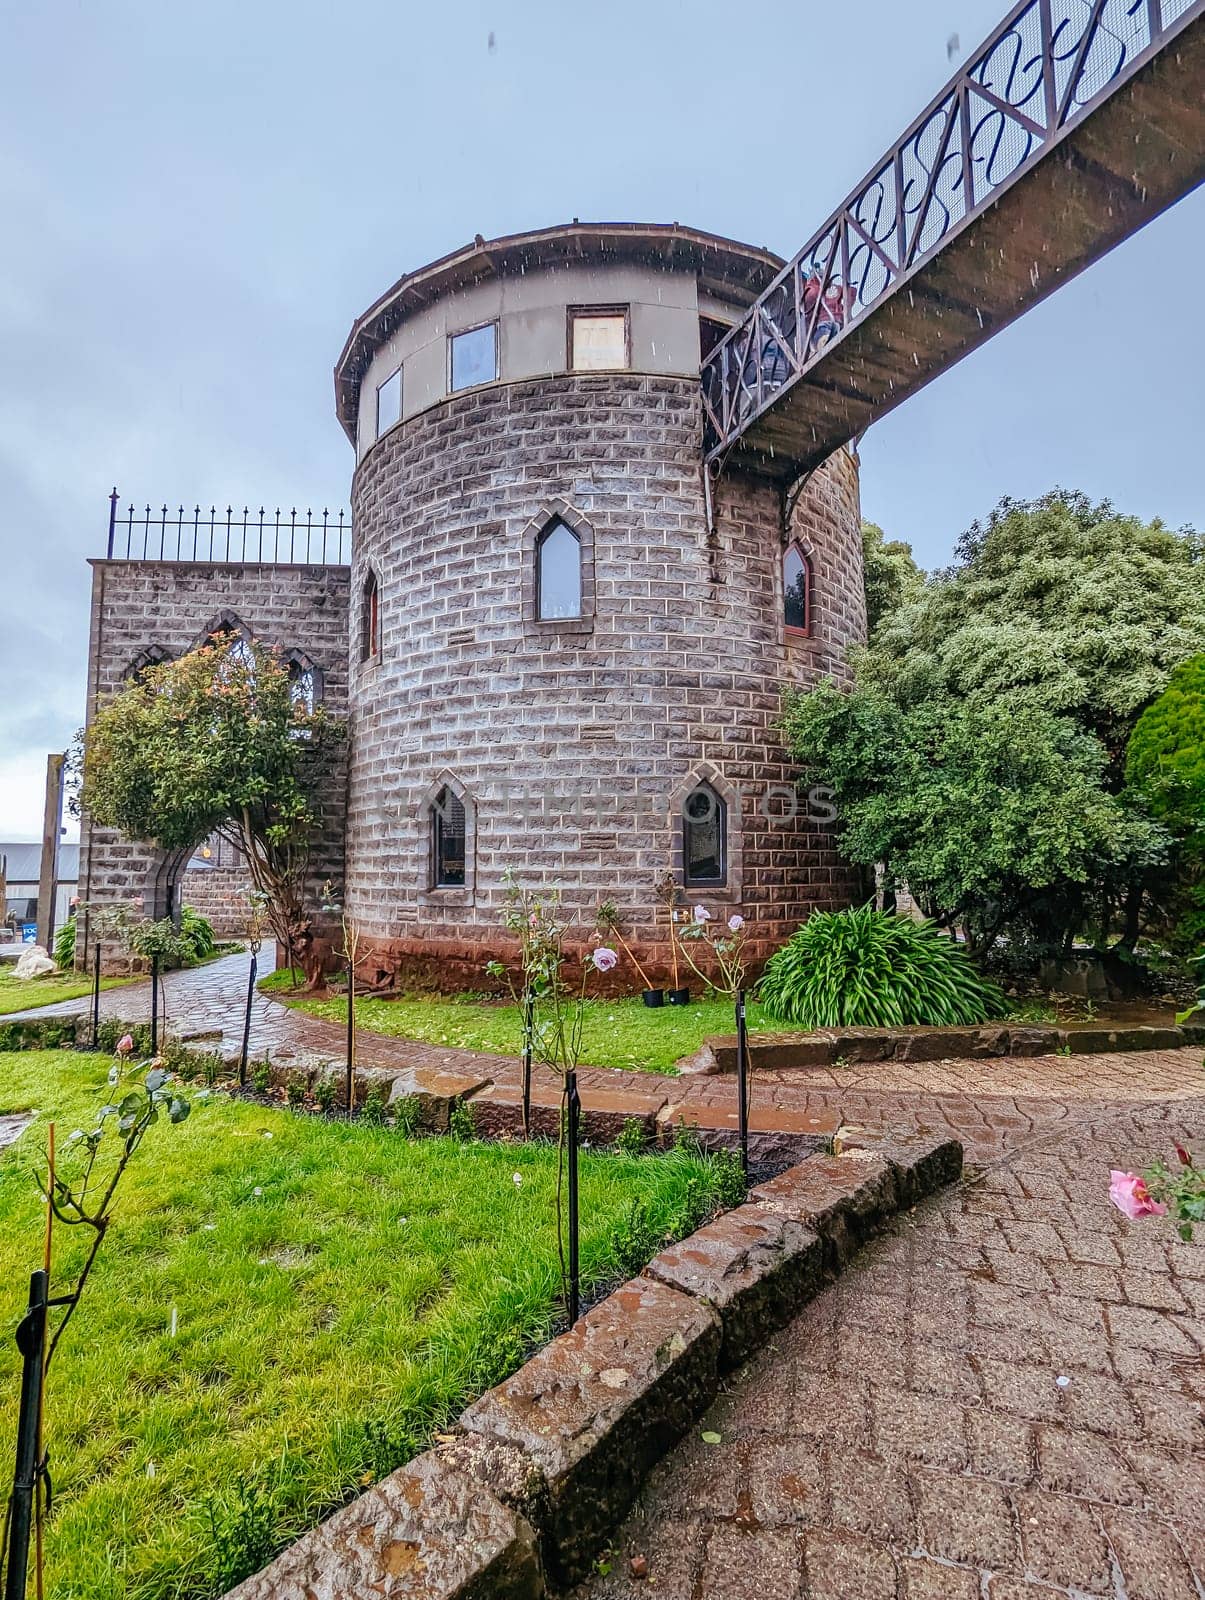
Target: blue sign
(29,933)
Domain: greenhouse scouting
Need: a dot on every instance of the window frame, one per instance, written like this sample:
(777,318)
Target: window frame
(370,617)
(549,528)
(436,810)
(396,373)
(460,333)
(572,313)
(567,628)
(720,882)
(789,629)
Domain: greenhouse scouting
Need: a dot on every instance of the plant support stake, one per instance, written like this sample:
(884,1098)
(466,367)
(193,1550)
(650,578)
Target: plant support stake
(573,1120)
(31,1341)
(528,1018)
(242,1060)
(742,1080)
(155,1005)
(96,996)
(351,1039)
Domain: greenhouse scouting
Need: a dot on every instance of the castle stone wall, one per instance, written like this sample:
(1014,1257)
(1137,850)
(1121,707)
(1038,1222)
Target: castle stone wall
(574,744)
(172,606)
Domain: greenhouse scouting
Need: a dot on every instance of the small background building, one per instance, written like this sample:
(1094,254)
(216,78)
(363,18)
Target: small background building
(21,886)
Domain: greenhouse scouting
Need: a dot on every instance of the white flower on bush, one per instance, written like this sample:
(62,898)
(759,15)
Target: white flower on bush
(604,960)
(702,914)
(736,922)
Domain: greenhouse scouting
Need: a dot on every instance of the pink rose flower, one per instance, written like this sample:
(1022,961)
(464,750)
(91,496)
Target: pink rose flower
(604,959)
(125,1045)
(736,922)
(702,914)
(1131,1196)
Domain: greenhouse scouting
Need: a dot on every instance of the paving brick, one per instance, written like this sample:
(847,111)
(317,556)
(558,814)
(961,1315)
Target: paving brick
(922,1579)
(1062,1543)
(786,1484)
(1001,1446)
(870,1495)
(1152,1562)
(734,1552)
(1027,1391)
(965,1520)
(921,1427)
(842,1566)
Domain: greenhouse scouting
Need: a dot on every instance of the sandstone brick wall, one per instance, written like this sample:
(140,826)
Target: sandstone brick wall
(574,745)
(172,606)
(217,894)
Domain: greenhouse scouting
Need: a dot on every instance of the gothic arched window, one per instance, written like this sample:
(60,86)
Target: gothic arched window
(448,840)
(370,617)
(558,573)
(704,838)
(796,590)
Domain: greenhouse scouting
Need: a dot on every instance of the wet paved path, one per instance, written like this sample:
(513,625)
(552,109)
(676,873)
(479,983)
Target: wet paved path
(989,1104)
(1001,1400)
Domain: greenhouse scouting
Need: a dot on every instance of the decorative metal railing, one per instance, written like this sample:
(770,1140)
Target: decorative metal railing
(310,538)
(1044,68)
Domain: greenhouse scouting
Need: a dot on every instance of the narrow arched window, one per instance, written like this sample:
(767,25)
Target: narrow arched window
(447,840)
(796,591)
(704,838)
(303,686)
(370,618)
(558,573)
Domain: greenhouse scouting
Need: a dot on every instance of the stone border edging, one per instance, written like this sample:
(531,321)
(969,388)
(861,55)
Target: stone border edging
(826,1046)
(521,1498)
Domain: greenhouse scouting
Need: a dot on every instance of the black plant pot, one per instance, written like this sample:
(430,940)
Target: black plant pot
(679,997)
(653,997)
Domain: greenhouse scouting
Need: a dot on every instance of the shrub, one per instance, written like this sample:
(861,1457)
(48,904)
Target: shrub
(198,931)
(295,1090)
(324,1094)
(1165,764)
(64,945)
(866,968)
(372,1107)
(261,1078)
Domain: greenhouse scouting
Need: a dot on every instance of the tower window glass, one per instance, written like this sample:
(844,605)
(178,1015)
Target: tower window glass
(598,340)
(795,587)
(389,402)
(704,837)
(473,357)
(447,840)
(558,573)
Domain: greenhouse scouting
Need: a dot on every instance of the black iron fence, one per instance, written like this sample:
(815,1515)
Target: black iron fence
(1047,65)
(310,538)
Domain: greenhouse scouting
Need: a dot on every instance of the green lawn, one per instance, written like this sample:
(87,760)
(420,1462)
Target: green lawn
(20,995)
(617,1033)
(338,1292)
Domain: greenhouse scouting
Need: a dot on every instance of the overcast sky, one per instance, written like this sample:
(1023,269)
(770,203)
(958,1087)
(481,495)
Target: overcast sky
(195,203)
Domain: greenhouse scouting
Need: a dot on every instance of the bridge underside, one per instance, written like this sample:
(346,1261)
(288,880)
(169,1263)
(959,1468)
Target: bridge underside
(1131,158)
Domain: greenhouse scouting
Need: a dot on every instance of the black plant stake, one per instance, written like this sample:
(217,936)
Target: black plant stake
(528,1019)
(573,1122)
(155,1005)
(31,1341)
(742,1080)
(242,1060)
(351,1038)
(96,997)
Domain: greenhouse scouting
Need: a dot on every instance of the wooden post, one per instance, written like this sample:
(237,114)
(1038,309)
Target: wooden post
(52,828)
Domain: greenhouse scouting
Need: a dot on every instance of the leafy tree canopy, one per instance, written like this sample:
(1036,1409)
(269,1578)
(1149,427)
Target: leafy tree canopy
(891,575)
(1166,755)
(980,754)
(216,742)
(1067,605)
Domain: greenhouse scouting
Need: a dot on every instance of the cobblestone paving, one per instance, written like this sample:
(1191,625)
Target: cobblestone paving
(989,1104)
(1001,1400)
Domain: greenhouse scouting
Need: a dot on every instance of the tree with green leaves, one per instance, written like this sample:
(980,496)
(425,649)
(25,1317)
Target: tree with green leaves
(891,576)
(1165,765)
(980,756)
(218,741)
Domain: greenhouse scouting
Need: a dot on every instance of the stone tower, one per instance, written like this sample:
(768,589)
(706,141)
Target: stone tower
(567,646)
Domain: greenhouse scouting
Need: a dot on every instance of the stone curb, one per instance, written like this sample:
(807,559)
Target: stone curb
(520,1499)
(827,1046)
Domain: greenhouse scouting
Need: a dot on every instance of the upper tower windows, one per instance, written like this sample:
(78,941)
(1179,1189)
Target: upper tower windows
(389,402)
(473,357)
(558,573)
(599,339)
(370,618)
